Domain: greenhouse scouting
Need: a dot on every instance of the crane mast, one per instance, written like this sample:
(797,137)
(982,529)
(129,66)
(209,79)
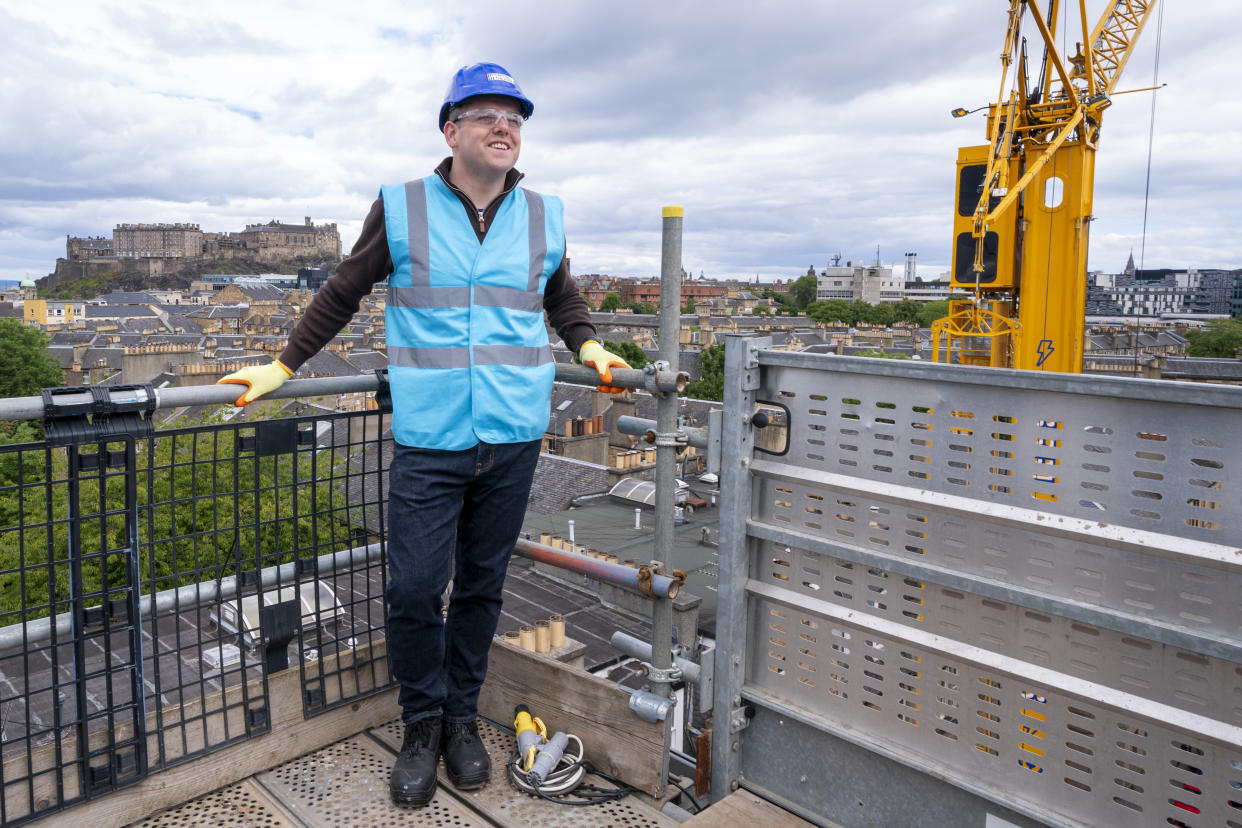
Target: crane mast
(1021,251)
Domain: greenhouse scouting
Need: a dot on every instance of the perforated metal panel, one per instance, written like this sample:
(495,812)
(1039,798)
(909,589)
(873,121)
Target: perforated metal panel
(235,805)
(1033,737)
(504,804)
(1025,585)
(1074,495)
(347,784)
(1127,459)
(1170,675)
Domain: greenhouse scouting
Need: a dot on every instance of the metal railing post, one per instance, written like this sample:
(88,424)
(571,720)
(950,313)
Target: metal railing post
(741,382)
(667,441)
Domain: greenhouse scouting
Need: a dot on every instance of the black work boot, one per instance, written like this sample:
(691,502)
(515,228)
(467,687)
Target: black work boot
(465,756)
(413,779)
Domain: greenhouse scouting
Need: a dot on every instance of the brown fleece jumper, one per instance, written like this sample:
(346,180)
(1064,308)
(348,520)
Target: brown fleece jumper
(370,262)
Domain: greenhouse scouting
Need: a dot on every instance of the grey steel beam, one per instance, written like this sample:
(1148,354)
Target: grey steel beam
(639,580)
(666,441)
(31,408)
(741,381)
(637,648)
(645,428)
(1128,388)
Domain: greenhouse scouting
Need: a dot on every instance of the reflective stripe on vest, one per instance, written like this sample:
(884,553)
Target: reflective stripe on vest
(467,348)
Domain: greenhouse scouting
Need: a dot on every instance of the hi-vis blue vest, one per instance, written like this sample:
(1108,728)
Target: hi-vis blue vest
(468,354)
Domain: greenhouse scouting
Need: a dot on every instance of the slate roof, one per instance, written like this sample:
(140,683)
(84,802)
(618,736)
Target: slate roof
(262,293)
(142,325)
(177,310)
(62,354)
(223,312)
(568,402)
(343,339)
(559,480)
(120,297)
(368,361)
(1202,368)
(111,356)
(118,311)
(71,337)
(174,339)
(326,364)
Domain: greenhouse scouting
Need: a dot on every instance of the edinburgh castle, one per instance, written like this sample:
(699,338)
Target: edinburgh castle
(146,254)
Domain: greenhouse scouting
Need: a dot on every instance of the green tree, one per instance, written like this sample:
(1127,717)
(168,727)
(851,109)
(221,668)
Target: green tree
(643,307)
(933,310)
(27,370)
(628,351)
(907,310)
(27,365)
(1222,338)
(710,385)
(803,291)
(779,297)
(688,306)
(881,313)
(203,512)
(610,303)
(834,310)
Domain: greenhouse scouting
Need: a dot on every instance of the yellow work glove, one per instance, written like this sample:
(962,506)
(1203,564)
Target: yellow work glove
(602,360)
(259,379)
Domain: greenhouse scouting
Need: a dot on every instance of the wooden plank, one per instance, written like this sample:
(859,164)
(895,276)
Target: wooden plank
(290,736)
(745,808)
(703,763)
(593,709)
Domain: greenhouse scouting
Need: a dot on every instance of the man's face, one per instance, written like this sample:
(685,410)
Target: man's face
(485,147)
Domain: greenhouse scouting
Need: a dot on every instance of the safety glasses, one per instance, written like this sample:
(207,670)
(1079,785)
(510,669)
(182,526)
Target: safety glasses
(491,117)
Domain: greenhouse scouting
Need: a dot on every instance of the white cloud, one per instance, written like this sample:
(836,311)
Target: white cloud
(788,132)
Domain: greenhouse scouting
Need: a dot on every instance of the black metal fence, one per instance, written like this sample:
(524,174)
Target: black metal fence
(151,580)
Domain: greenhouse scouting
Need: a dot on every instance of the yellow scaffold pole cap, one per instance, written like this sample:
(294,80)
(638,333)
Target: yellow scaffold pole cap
(672,211)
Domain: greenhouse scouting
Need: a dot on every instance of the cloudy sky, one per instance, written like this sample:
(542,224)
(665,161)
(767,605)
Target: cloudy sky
(788,131)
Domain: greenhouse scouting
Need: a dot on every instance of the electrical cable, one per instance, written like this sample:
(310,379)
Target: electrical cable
(1151,132)
(565,780)
(690,796)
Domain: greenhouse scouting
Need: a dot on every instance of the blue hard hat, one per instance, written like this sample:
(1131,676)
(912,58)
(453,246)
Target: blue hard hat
(482,79)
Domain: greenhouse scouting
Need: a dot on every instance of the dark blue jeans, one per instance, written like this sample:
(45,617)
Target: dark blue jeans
(463,508)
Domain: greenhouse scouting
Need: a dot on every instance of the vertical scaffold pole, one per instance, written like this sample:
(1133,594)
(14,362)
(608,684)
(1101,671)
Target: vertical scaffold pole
(666,440)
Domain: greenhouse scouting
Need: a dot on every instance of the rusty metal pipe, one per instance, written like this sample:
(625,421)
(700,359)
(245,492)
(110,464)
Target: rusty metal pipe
(642,580)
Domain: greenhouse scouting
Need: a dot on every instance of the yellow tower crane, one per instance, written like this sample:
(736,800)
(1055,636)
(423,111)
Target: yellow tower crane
(1021,252)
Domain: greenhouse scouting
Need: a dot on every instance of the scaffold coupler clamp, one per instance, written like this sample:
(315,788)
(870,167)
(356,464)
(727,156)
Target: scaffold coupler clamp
(649,706)
(672,439)
(383,392)
(665,675)
(111,412)
(680,577)
(660,380)
(645,580)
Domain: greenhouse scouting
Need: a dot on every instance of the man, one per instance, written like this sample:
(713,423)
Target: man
(472,263)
